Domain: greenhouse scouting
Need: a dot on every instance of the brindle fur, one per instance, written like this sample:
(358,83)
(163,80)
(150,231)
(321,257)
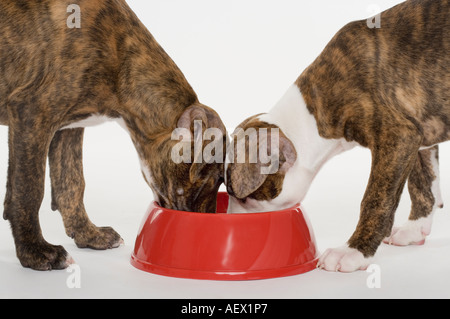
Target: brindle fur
(387,89)
(420,182)
(53,76)
(267,186)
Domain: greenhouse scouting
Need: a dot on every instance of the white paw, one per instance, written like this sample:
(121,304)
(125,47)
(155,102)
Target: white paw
(413,232)
(343,259)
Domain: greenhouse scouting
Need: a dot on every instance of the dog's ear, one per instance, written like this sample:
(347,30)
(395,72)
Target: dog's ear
(246,178)
(199,112)
(288,152)
(197,118)
(191,114)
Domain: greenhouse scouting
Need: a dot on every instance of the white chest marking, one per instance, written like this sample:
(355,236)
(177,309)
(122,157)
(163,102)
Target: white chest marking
(92,120)
(291,115)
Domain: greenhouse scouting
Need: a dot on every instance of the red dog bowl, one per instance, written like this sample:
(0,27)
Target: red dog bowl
(225,246)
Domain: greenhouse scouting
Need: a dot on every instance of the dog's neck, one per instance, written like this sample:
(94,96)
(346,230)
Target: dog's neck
(152,94)
(291,115)
(153,91)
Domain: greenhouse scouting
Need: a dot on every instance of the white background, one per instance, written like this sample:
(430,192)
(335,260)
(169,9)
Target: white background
(240,57)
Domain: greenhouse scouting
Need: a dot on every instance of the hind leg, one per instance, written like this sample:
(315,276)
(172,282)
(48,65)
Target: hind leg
(66,173)
(424,189)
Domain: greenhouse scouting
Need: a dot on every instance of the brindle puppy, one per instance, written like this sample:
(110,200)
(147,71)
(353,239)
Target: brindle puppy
(55,80)
(387,89)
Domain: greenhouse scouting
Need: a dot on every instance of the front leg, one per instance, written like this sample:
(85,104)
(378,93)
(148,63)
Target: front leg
(28,148)
(393,157)
(66,173)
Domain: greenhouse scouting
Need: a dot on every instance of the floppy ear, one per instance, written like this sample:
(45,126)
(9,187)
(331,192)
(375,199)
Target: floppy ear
(289,153)
(197,118)
(191,114)
(245,178)
(199,112)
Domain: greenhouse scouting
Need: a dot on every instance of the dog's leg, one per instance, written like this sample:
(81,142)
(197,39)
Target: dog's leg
(394,154)
(424,189)
(28,149)
(66,173)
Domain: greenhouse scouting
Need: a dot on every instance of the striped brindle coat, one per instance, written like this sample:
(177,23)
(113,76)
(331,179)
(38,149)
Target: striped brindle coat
(387,89)
(54,81)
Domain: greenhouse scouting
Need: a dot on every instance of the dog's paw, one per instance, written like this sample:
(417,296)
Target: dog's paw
(413,232)
(43,256)
(99,238)
(343,259)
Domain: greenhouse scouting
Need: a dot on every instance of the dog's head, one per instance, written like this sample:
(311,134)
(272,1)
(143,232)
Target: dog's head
(187,165)
(260,179)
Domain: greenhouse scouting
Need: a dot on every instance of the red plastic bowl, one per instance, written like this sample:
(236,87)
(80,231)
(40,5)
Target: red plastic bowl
(225,246)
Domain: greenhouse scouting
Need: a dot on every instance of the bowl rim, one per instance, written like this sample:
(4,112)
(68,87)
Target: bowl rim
(225,275)
(294,208)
